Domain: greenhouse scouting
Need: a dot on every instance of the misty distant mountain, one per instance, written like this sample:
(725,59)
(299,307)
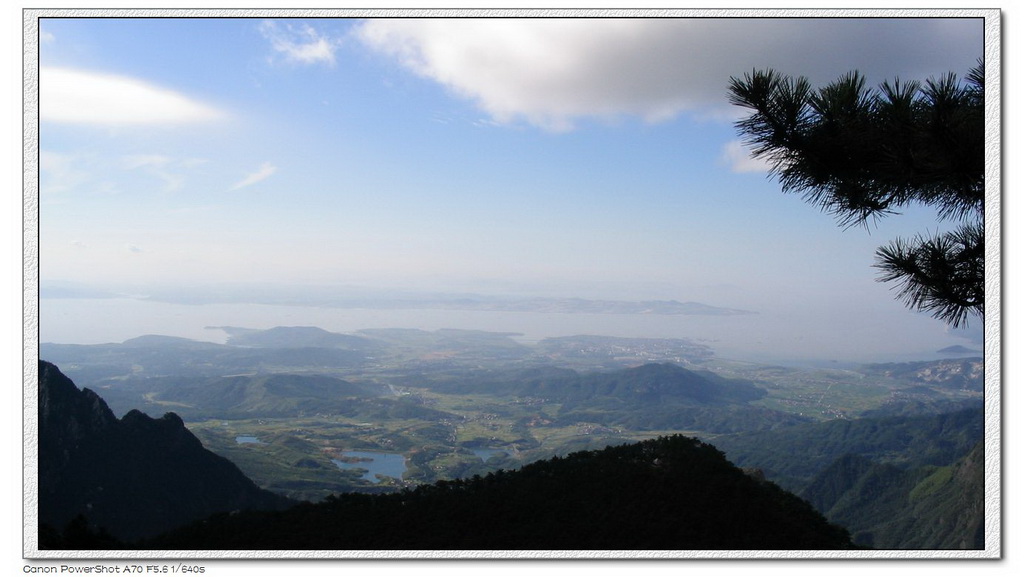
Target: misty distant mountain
(956,374)
(653,396)
(576,305)
(301,349)
(156,355)
(295,337)
(365,298)
(270,395)
(958,350)
(649,383)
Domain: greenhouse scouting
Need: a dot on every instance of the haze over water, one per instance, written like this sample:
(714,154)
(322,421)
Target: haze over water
(770,336)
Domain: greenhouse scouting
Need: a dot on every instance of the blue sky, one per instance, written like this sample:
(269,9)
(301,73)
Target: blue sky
(558,157)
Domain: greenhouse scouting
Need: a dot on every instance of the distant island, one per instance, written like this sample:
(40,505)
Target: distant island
(958,350)
(346,297)
(464,303)
(568,305)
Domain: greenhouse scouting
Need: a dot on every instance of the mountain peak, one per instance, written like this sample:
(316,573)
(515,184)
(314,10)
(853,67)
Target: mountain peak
(134,477)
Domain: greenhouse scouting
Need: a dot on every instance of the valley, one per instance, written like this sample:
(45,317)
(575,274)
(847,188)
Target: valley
(288,404)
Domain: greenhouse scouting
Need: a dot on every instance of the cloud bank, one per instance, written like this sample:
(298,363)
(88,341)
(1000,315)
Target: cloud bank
(553,73)
(71,96)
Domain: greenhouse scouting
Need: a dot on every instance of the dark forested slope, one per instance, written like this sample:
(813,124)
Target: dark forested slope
(793,456)
(134,477)
(887,507)
(671,493)
(908,482)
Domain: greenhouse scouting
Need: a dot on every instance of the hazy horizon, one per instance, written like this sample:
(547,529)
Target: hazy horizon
(775,334)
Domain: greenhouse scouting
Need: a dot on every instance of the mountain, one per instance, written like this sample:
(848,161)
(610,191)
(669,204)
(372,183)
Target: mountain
(347,297)
(895,482)
(670,493)
(156,355)
(645,384)
(267,395)
(653,396)
(887,507)
(295,337)
(958,350)
(950,374)
(793,456)
(133,477)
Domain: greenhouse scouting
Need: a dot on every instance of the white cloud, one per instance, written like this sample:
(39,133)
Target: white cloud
(739,159)
(46,37)
(554,72)
(81,97)
(264,172)
(302,44)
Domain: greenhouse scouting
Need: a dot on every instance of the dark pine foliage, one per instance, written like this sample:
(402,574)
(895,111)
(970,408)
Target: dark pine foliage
(671,493)
(861,154)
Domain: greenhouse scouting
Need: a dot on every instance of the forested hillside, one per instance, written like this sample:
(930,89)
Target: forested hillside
(671,493)
(895,482)
(887,507)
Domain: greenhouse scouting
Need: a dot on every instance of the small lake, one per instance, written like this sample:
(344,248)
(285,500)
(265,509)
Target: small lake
(247,439)
(384,464)
(485,454)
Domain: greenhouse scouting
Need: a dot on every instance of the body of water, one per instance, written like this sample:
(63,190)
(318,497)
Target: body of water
(485,454)
(768,336)
(386,464)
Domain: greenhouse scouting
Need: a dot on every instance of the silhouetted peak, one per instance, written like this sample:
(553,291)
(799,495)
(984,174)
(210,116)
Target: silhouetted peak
(62,406)
(135,416)
(136,476)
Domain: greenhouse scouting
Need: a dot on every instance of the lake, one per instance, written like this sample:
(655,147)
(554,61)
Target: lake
(384,464)
(485,454)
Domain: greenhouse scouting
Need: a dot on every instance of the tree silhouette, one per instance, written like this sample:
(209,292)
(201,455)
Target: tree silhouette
(862,154)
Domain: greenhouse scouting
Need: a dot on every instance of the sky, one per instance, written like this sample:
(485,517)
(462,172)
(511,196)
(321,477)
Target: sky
(561,157)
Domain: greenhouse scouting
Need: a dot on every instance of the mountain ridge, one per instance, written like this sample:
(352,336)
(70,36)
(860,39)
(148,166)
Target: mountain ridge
(669,493)
(887,507)
(133,477)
